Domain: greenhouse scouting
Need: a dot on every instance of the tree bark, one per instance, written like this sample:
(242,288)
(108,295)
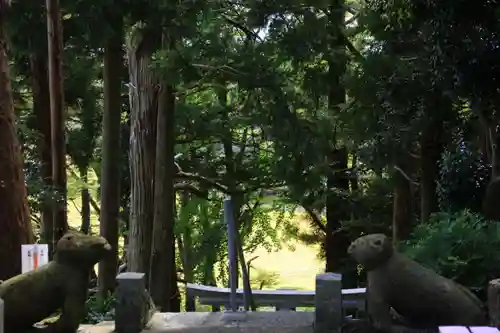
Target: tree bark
(55,49)
(402,201)
(85,226)
(110,174)
(41,108)
(15,226)
(353,175)
(163,245)
(490,201)
(337,205)
(144,106)
(431,148)
(337,211)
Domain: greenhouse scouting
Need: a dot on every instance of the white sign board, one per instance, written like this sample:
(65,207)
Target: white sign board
(34,256)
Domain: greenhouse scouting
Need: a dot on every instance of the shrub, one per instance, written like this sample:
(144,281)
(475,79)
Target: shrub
(461,246)
(99,309)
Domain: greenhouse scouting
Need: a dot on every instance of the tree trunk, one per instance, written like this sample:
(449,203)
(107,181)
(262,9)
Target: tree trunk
(163,245)
(402,202)
(55,49)
(85,226)
(490,200)
(143,108)
(15,226)
(41,108)
(353,175)
(431,148)
(337,211)
(110,174)
(337,205)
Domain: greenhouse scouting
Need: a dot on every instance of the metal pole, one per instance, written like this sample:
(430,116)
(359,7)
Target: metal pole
(232,255)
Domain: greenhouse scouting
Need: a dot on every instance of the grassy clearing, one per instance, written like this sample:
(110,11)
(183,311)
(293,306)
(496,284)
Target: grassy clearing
(293,269)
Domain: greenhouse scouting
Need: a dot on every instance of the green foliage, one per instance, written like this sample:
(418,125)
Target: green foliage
(253,83)
(99,309)
(463,177)
(461,246)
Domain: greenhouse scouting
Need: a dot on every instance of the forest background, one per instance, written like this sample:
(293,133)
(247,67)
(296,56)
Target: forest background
(322,120)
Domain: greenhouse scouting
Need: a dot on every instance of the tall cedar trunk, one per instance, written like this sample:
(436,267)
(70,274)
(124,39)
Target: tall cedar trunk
(41,108)
(491,147)
(15,225)
(402,202)
(337,205)
(337,211)
(353,175)
(143,109)
(55,49)
(431,148)
(110,173)
(163,245)
(85,226)
(492,195)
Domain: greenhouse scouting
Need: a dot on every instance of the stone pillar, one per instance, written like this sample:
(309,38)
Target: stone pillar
(132,306)
(328,302)
(494,302)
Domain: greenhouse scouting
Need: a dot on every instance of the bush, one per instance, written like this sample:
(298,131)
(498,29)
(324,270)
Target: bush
(461,246)
(99,309)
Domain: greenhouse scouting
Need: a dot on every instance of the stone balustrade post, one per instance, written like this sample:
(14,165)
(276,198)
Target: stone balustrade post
(133,307)
(328,303)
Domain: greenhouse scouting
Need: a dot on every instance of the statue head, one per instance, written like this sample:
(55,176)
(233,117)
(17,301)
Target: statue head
(80,249)
(371,251)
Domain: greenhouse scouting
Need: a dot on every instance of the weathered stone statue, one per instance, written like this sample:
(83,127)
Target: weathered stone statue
(60,285)
(421,297)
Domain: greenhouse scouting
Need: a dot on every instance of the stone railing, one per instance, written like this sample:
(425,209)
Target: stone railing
(280,299)
(329,301)
(134,309)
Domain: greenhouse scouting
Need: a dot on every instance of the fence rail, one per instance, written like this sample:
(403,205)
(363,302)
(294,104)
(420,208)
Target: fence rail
(282,299)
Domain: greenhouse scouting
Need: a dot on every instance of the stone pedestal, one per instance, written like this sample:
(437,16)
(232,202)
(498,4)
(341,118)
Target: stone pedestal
(328,301)
(131,303)
(494,302)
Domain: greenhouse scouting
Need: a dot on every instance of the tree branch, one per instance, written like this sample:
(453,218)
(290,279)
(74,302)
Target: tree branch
(315,219)
(250,34)
(191,189)
(404,174)
(94,205)
(210,182)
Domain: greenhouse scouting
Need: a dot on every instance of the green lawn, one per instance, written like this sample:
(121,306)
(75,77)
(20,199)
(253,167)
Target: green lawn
(294,269)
